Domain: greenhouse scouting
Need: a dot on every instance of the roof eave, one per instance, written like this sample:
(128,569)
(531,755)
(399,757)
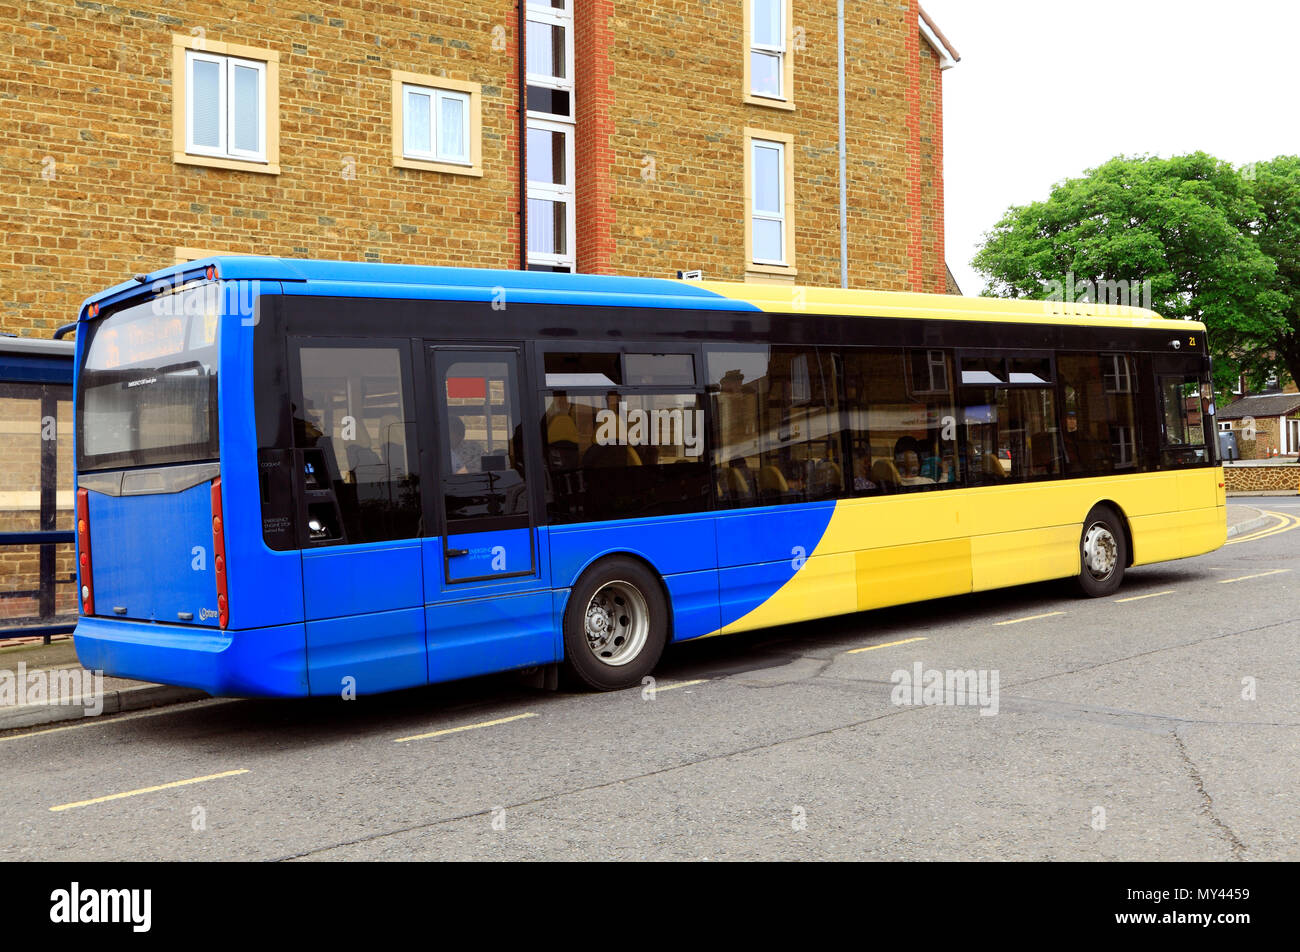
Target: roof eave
(948,55)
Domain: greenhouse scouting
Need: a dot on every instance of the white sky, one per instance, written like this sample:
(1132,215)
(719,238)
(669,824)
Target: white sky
(1047,89)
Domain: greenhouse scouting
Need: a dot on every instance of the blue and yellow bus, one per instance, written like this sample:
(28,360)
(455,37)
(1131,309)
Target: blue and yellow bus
(299,477)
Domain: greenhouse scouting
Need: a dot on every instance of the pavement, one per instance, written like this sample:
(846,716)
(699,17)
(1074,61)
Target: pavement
(56,663)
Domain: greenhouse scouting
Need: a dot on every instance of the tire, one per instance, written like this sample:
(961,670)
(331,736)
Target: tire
(1103,553)
(615,625)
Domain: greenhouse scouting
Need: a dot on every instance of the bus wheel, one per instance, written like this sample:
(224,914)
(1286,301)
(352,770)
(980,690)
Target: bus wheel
(615,626)
(1103,553)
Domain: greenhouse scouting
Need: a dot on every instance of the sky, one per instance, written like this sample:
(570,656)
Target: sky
(1046,90)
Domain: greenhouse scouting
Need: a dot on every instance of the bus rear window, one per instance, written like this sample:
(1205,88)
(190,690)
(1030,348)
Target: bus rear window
(147,392)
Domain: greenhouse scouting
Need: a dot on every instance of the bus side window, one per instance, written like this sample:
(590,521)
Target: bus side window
(777,425)
(354,418)
(901,422)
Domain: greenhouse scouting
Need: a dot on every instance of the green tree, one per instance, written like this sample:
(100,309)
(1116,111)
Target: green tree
(1276,187)
(1187,225)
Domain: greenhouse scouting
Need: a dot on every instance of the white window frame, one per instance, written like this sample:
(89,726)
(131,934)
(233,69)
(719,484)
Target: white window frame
(754,214)
(778,50)
(225,149)
(435,96)
(538,13)
(566,193)
(1117,374)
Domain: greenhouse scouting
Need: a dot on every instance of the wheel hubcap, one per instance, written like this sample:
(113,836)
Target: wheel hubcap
(617,623)
(1100,552)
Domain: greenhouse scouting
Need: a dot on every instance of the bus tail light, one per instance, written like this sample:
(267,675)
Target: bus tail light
(219,554)
(83,553)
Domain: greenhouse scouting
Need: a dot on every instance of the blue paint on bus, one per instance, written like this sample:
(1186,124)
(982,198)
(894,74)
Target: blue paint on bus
(382,616)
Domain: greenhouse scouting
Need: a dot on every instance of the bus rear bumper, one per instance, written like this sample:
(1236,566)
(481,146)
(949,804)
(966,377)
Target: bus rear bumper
(258,662)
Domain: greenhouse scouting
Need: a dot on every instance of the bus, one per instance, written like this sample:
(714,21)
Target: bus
(305,477)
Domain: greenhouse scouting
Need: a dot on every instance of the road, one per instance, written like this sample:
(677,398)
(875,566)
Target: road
(1159,724)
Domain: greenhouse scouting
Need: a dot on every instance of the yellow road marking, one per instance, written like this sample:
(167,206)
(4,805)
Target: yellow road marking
(1016,621)
(1285,523)
(136,793)
(887,644)
(678,684)
(1138,598)
(464,727)
(1225,581)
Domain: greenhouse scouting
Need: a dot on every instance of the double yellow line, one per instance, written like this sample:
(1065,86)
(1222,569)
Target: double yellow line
(1284,523)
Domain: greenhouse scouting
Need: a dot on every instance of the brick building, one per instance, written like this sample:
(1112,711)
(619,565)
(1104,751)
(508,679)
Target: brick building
(1267,424)
(659,135)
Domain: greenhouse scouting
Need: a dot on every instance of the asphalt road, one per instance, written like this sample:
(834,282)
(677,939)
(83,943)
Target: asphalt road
(1160,724)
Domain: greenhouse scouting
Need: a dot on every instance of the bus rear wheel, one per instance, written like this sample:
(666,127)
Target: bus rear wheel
(615,625)
(1103,553)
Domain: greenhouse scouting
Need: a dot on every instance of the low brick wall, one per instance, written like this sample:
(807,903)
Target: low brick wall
(1255,476)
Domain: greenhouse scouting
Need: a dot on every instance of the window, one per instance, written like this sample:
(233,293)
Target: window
(1099,429)
(357,450)
(900,421)
(623,454)
(482,446)
(610,369)
(549,55)
(437,124)
(1011,434)
(1183,399)
(226,107)
(148,390)
(768,79)
(769,224)
(550,195)
(597,369)
(776,425)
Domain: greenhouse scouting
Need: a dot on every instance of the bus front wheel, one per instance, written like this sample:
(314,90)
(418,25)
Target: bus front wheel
(1103,553)
(615,625)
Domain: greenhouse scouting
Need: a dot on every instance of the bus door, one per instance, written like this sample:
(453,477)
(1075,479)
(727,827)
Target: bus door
(359,516)
(486,584)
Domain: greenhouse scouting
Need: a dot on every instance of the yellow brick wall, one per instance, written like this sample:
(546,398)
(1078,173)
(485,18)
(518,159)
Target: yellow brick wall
(89,193)
(678,94)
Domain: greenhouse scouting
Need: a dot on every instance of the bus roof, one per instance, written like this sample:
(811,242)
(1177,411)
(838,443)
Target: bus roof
(36,346)
(351,278)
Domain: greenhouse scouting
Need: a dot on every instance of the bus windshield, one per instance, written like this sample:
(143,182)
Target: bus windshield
(148,386)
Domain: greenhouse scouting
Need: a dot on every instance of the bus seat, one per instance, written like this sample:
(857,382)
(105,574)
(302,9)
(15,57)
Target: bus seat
(562,442)
(770,480)
(991,469)
(885,473)
(828,477)
(738,483)
(562,429)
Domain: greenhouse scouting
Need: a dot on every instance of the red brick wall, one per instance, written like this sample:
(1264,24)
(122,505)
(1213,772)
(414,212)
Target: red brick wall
(594,149)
